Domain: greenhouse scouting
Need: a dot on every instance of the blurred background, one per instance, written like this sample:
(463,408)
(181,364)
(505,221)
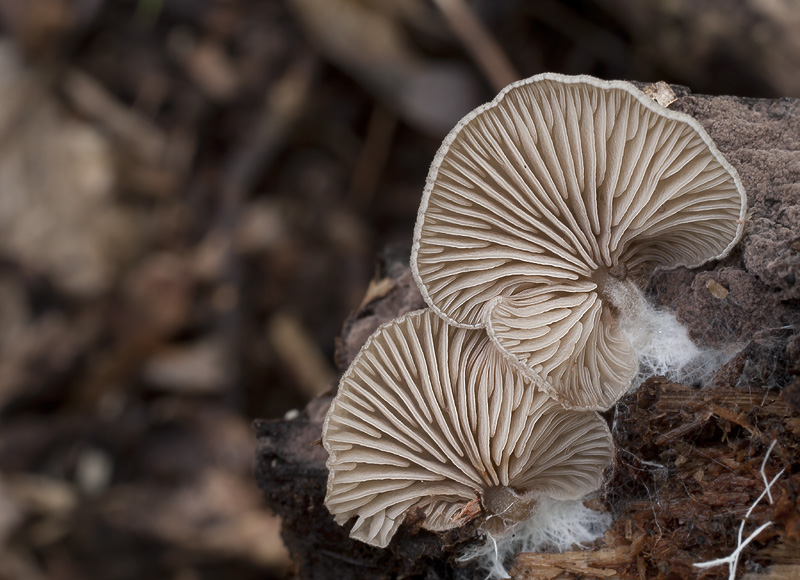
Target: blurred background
(193,194)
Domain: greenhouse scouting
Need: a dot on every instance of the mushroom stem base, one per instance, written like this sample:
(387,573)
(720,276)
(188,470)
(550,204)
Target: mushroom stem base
(505,507)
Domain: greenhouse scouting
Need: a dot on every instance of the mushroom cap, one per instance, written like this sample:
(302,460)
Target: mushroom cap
(429,414)
(543,206)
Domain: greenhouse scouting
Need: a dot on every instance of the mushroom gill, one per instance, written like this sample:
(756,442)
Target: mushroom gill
(431,419)
(546,209)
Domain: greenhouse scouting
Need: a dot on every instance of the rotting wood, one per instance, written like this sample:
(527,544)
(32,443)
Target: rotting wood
(617,562)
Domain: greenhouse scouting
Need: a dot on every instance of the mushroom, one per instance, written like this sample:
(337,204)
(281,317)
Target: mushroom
(432,420)
(546,210)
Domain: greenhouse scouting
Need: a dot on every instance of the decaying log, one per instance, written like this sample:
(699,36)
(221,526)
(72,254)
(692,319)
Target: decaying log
(689,459)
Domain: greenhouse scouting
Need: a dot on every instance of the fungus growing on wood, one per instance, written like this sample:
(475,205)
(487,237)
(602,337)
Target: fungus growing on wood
(432,420)
(546,210)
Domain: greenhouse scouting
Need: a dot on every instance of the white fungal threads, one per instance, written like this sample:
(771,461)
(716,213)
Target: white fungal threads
(661,343)
(556,526)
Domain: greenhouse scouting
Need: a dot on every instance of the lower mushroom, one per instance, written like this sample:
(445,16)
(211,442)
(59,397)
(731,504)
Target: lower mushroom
(434,419)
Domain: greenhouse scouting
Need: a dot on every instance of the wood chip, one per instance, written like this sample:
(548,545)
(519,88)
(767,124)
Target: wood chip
(716,289)
(598,563)
(661,93)
(777,572)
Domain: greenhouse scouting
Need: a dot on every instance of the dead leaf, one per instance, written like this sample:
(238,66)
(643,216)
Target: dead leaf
(58,215)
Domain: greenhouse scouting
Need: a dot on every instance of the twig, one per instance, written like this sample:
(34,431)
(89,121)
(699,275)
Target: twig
(373,157)
(642,461)
(300,354)
(485,50)
(763,465)
(91,99)
(280,110)
(732,560)
(763,493)
(588,36)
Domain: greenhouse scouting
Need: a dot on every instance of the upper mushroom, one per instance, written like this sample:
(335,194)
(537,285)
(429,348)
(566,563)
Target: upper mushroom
(431,419)
(545,207)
